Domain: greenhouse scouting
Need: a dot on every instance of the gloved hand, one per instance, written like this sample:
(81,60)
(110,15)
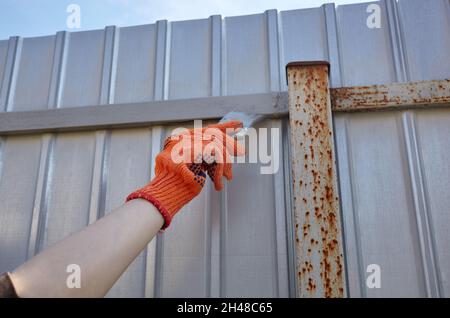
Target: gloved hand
(180,167)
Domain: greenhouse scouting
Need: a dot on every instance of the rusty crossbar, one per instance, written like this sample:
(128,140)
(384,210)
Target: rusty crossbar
(391,96)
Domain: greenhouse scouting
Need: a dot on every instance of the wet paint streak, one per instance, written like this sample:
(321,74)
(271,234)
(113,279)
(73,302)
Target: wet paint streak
(320,263)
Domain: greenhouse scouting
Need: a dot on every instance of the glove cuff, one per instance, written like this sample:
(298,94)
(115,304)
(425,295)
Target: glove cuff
(156,203)
(168,192)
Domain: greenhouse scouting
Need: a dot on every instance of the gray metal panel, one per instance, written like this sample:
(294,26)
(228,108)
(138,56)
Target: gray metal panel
(245,55)
(380,212)
(304,35)
(251,252)
(19,163)
(433,129)
(83,64)
(190,59)
(126,167)
(426,27)
(34,72)
(134,80)
(185,263)
(68,187)
(366,54)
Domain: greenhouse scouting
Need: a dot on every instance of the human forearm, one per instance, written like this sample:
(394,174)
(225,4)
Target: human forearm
(102,250)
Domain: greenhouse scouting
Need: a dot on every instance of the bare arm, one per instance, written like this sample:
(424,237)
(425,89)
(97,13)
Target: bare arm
(103,251)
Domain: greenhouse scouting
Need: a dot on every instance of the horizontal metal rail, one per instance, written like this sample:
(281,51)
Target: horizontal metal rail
(392,96)
(346,99)
(140,114)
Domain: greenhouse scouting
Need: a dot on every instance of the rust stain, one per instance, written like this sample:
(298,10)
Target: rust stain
(318,235)
(379,97)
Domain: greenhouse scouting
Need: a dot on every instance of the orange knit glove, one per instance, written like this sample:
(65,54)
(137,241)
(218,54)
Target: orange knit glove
(180,167)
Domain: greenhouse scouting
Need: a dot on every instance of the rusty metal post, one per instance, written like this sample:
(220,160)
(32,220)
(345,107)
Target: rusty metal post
(319,242)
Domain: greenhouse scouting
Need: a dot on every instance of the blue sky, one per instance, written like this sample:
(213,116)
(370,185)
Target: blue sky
(41,17)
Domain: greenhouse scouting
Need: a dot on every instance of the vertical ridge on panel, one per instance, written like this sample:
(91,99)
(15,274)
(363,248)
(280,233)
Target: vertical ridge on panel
(332,45)
(281,55)
(248,266)
(10,72)
(160,91)
(382,201)
(105,150)
(68,186)
(127,156)
(246,54)
(304,37)
(216,48)
(97,176)
(273,50)
(223,57)
(57,69)
(63,43)
(83,69)
(32,80)
(397,43)
(353,252)
(208,252)
(39,207)
(281,266)
(432,129)
(425,26)
(161,55)
(213,196)
(4,44)
(251,232)
(189,73)
(100,136)
(421,207)
(186,242)
(108,64)
(2,145)
(153,259)
(160,59)
(280,274)
(223,197)
(133,75)
(288,202)
(223,219)
(167,60)
(371,61)
(19,165)
(184,263)
(37,215)
(127,169)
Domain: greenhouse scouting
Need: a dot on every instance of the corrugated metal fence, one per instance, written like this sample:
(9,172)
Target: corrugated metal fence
(393,166)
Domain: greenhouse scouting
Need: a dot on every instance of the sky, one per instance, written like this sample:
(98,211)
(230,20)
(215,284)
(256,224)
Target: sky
(42,17)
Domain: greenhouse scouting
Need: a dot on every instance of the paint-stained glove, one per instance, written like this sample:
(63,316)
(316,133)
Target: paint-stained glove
(180,167)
